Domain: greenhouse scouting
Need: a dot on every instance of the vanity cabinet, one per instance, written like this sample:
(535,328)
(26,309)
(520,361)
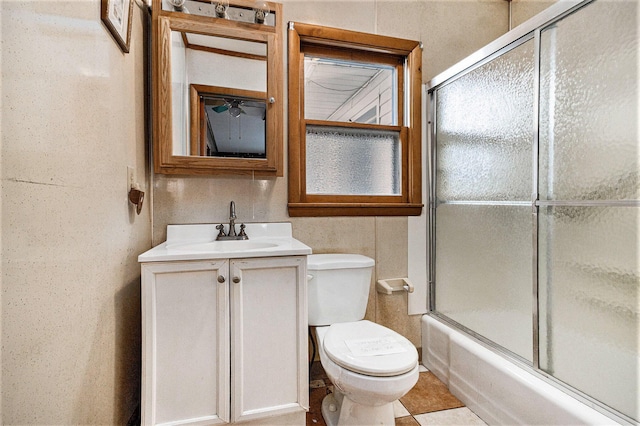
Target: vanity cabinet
(224,340)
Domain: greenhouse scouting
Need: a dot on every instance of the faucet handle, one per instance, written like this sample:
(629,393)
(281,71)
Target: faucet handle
(221,233)
(243,234)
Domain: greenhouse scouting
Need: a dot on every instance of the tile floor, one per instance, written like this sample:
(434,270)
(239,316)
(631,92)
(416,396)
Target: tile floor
(428,403)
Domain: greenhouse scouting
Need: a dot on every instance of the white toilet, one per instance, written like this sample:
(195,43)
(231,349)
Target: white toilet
(369,365)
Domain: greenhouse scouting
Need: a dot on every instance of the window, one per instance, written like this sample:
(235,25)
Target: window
(354,123)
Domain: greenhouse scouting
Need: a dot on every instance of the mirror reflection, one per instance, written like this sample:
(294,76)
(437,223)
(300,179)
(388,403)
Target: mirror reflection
(214,78)
(227,125)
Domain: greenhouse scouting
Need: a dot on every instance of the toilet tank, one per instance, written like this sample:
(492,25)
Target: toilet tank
(338,287)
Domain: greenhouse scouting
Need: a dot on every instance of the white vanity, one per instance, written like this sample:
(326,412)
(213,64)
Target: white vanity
(224,327)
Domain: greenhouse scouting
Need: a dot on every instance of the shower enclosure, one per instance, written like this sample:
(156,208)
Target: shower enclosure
(535,199)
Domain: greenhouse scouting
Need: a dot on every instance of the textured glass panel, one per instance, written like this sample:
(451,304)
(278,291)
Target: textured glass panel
(589,104)
(483,272)
(484,131)
(589,284)
(348,91)
(352,161)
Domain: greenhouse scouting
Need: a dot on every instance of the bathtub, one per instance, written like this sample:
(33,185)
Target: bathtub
(496,389)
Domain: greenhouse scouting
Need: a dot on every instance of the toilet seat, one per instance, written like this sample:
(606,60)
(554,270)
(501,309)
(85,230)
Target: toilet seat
(397,354)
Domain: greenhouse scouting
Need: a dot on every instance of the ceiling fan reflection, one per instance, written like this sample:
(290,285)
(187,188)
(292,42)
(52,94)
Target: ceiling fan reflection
(236,107)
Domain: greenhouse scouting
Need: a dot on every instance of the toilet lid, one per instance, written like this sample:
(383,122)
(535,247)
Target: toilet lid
(368,348)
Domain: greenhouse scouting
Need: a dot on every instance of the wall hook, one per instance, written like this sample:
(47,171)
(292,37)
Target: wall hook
(136,197)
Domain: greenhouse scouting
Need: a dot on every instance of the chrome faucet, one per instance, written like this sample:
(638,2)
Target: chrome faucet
(232,220)
(231,234)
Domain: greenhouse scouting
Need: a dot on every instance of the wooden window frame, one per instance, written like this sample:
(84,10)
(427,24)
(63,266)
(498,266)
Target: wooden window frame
(406,56)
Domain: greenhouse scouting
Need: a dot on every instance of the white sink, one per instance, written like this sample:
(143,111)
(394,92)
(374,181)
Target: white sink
(223,246)
(198,242)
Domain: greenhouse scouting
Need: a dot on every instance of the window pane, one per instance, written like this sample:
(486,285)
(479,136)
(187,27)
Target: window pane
(483,272)
(484,132)
(352,161)
(589,283)
(347,91)
(589,105)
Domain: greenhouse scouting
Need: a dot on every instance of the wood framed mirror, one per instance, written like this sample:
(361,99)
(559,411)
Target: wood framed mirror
(217,89)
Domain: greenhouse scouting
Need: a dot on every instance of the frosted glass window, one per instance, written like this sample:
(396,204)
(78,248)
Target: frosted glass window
(483,272)
(589,297)
(589,105)
(484,130)
(344,161)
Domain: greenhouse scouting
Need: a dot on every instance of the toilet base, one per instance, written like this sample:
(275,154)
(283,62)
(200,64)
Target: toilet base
(338,410)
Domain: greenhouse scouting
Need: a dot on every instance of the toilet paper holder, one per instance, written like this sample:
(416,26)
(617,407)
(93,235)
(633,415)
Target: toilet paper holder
(392,285)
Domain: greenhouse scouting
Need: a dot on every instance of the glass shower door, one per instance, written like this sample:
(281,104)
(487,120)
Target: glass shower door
(483,237)
(535,200)
(588,243)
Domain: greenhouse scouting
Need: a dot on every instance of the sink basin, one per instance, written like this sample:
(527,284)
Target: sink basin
(223,246)
(198,242)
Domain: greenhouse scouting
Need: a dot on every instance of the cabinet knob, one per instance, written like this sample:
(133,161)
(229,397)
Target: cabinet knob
(221,279)
(236,280)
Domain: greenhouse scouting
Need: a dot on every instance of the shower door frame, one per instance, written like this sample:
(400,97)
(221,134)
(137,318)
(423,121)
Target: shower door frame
(529,30)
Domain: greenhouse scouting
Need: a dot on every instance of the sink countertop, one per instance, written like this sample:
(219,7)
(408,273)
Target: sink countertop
(182,238)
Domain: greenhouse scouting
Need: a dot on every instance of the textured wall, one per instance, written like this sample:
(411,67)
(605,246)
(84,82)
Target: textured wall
(72,121)
(522,10)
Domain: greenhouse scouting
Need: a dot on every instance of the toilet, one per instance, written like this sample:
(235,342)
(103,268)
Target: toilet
(369,365)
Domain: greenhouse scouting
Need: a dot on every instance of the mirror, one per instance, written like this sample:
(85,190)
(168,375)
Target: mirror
(217,92)
(202,67)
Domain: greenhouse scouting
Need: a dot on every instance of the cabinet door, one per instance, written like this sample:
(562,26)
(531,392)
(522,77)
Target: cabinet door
(185,343)
(269,337)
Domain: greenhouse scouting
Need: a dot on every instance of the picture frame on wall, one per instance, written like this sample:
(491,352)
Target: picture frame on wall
(116,15)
